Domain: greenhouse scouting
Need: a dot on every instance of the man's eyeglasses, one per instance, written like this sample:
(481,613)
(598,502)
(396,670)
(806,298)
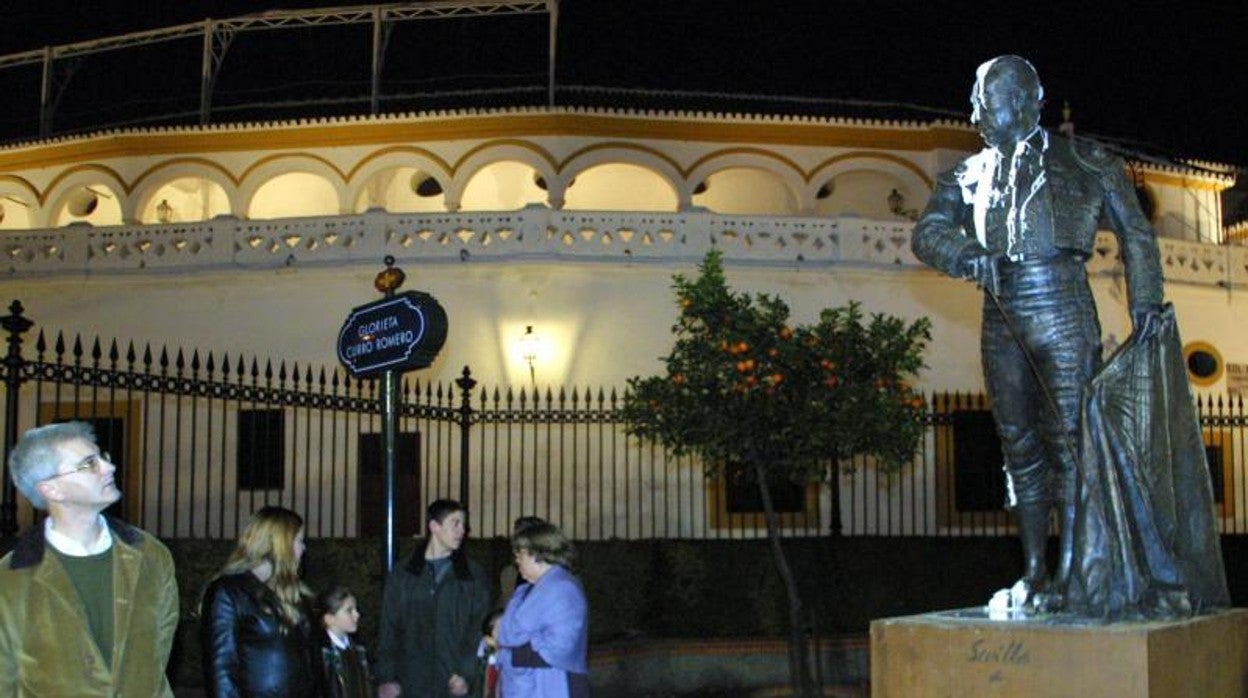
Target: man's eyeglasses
(91,462)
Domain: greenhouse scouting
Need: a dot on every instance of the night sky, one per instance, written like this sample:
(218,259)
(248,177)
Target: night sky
(1164,77)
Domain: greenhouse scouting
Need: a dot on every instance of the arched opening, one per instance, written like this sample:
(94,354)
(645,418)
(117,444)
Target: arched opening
(95,203)
(294,195)
(401,190)
(15,212)
(502,186)
(185,200)
(868,194)
(620,187)
(745,190)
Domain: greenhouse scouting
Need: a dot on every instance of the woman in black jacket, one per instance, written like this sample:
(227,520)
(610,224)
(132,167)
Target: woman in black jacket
(255,630)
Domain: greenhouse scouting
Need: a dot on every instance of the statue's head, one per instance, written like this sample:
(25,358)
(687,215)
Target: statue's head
(1006,100)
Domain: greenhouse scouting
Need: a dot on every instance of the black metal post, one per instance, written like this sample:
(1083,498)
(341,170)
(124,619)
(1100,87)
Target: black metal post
(387,281)
(16,325)
(835,481)
(389,427)
(466,383)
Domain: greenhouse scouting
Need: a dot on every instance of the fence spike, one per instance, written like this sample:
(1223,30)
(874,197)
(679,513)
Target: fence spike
(41,344)
(164,358)
(333,381)
(96,352)
(209,365)
(281,373)
(195,362)
(307,375)
(179,363)
(77,348)
(113,354)
(60,345)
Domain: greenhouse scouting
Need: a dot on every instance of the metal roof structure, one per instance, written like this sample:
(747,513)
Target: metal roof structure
(59,63)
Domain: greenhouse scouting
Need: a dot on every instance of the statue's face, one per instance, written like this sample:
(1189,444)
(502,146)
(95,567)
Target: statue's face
(1005,111)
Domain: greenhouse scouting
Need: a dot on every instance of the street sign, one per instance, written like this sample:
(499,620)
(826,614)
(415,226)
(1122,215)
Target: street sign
(399,333)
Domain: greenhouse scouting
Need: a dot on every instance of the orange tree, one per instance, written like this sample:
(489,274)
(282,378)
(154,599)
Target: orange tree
(762,400)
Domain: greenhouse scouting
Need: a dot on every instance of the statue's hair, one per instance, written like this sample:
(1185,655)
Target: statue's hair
(36,456)
(1016,68)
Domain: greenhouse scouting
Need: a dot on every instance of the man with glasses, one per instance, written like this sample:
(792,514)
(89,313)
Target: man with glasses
(88,603)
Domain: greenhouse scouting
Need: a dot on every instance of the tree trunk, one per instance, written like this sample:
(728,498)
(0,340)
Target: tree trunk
(800,675)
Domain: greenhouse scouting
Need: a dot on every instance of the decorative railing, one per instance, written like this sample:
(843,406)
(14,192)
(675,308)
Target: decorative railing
(531,233)
(201,440)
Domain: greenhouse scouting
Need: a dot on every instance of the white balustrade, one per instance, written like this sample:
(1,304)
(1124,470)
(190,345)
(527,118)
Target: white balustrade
(532,233)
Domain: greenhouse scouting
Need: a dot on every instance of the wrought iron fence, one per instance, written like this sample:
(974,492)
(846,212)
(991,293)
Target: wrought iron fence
(202,440)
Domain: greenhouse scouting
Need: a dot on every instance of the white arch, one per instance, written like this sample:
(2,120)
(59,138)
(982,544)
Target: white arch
(147,187)
(379,164)
(782,173)
(475,164)
(290,164)
(112,204)
(20,204)
(664,169)
(912,186)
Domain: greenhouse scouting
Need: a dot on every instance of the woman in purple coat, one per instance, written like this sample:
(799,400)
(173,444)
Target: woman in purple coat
(543,636)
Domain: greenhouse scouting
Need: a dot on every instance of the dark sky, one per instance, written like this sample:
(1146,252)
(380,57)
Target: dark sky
(1167,77)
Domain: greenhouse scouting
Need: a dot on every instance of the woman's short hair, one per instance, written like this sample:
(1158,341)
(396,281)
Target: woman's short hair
(523,523)
(546,543)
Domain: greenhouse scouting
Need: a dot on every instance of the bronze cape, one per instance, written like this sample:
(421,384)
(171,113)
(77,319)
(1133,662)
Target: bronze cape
(1146,543)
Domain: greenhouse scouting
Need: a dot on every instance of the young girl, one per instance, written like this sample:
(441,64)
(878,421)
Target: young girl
(344,663)
(487,652)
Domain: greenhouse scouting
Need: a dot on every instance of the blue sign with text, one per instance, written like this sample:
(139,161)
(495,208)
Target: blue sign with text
(399,333)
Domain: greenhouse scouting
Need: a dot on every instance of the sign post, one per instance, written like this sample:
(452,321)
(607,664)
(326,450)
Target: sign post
(399,333)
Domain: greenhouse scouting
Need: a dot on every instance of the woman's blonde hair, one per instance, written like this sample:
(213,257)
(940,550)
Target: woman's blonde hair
(270,537)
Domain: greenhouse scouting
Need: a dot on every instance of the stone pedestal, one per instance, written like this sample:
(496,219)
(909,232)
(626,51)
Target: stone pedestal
(963,654)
